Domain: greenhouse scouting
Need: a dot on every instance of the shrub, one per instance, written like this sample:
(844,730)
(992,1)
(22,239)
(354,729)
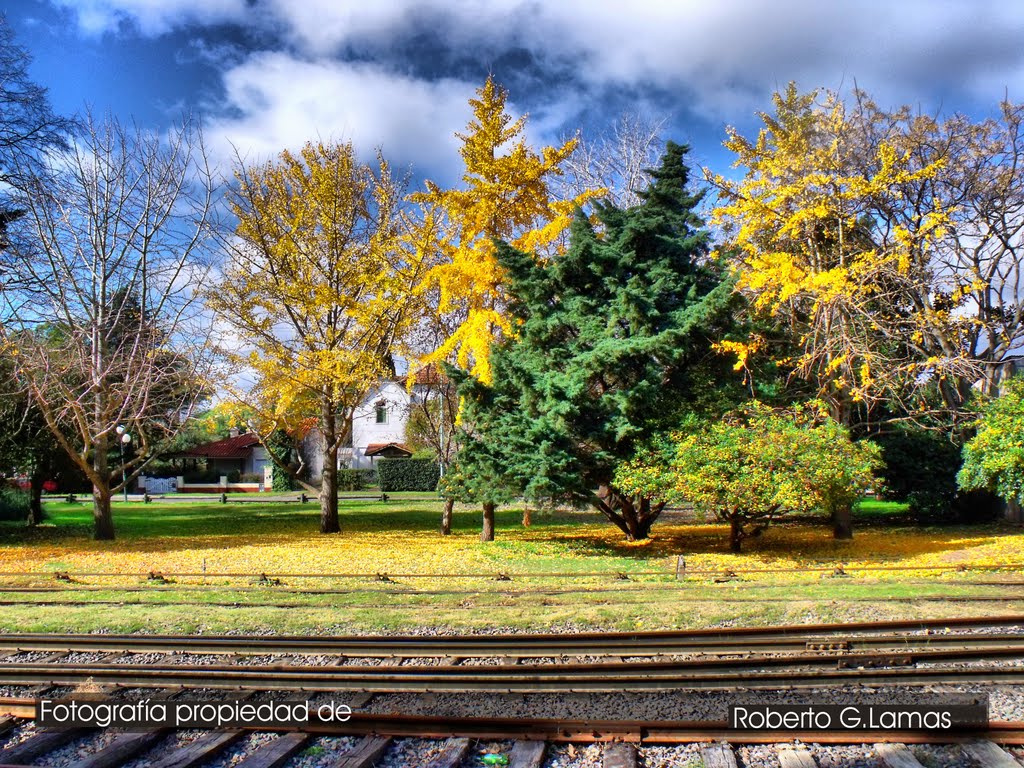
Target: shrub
(207,476)
(920,469)
(249,477)
(350,480)
(408,475)
(753,466)
(994,457)
(281,480)
(14,504)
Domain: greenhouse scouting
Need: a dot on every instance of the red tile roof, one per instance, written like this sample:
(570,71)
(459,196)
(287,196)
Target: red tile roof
(374,449)
(428,375)
(228,448)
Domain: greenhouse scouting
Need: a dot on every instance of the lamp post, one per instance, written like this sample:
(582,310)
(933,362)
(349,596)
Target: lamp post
(124,439)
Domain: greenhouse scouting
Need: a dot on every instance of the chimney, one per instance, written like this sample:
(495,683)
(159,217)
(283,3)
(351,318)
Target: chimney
(233,432)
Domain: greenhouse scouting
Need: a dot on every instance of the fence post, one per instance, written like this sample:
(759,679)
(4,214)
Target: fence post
(680,567)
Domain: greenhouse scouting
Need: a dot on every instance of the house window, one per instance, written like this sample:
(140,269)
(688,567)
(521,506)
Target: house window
(382,414)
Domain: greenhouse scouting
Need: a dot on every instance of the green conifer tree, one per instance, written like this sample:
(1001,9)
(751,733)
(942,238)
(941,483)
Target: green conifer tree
(612,339)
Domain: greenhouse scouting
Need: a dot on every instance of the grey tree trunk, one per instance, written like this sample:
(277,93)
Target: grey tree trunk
(329,480)
(446,517)
(487,534)
(103,521)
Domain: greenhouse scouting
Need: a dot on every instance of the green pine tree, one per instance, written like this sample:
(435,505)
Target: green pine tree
(613,344)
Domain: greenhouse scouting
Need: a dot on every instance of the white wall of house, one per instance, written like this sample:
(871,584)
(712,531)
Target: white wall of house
(380,418)
(367,429)
(257,461)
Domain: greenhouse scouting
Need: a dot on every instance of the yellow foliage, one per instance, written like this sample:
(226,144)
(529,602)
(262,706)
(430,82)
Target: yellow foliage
(800,226)
(742,350)
(592,545)
(505,197)
(320,277)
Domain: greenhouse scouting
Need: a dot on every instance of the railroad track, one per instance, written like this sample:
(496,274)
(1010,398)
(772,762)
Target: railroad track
(906,654)
(856,636)
(366,739)
(757,673)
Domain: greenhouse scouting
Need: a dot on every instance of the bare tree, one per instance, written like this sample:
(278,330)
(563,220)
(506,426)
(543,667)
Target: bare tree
(431,423)
(107,328)
(28,127)
(615,160)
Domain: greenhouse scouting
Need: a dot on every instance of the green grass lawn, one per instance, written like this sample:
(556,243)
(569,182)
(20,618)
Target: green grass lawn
(566,569)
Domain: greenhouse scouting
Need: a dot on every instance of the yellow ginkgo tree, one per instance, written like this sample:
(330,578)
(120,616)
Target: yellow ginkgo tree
(316,289)
(812,245)
(506,196)
(889,242)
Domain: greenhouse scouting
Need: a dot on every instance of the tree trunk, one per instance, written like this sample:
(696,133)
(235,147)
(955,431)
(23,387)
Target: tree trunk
(842,522)
(1013,513)
(633,518)
(103,521)
(527,518)
(735,534)
(488,531)
(35,503)
(329,480)
(446,517)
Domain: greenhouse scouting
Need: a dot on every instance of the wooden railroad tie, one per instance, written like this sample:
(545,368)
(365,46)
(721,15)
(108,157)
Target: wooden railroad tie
(526,754)
(619,756)
(451,755)
(796,758)
(990,755)
(718,756)
(897,756)
(277,752)
(365,753)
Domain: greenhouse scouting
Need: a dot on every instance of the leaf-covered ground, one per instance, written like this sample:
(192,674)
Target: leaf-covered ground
(400,537)
(566,569)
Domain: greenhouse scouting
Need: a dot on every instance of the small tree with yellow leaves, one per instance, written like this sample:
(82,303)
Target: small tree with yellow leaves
(754,466)
(507,197)
(316,290)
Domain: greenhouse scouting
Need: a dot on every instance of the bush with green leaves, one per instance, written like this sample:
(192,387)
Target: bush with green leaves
(14,505)
(994,457)
(754,466)
(920,469)
(408,475)
(350,479)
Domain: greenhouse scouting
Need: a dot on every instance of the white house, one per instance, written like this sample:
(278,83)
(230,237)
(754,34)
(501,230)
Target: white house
(378,424)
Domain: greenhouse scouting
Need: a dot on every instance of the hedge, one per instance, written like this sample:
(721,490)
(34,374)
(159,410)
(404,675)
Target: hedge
(14,504)
(408,475)
(349,480)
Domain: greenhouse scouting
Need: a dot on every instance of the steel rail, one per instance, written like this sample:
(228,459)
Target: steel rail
(856,634)
(519,646)
(756,672)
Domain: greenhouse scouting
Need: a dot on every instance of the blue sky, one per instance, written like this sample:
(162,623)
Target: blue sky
(269,74)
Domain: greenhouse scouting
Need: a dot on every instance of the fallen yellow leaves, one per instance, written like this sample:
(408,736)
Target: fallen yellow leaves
(568,547)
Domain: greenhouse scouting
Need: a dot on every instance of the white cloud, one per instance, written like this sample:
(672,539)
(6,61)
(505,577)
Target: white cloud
(152,17)
(277,101)
(722,58)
